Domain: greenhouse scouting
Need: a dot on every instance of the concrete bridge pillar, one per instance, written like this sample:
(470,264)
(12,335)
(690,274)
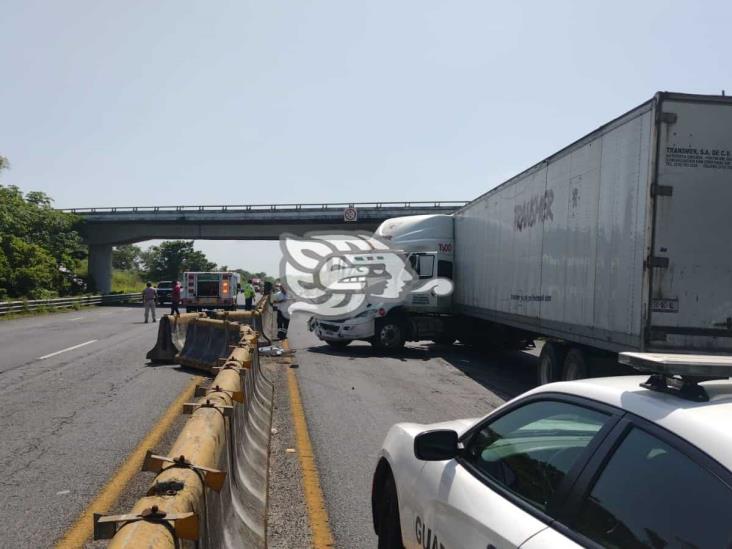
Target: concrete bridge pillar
(100,267)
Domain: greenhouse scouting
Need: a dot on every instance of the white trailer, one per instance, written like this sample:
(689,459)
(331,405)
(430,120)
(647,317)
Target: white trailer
(618,242)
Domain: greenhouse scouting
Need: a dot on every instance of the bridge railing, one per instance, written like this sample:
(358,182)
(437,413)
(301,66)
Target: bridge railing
(7,307)
(438,204)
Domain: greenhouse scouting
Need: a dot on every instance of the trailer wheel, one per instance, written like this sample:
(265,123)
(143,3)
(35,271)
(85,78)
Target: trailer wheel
(550,362)
(575,365)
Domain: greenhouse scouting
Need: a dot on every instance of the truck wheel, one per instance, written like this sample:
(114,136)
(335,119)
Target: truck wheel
(338,344)
(389,335)
(575,365)
(550,362)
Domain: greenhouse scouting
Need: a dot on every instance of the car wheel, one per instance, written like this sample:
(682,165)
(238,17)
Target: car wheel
(339,343)
(550,362)
(575,365)
(390,530)
(389,335)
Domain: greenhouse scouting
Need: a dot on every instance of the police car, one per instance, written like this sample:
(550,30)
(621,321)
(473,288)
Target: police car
(631,461)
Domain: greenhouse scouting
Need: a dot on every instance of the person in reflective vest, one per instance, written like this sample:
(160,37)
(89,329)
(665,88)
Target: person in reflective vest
(248,295)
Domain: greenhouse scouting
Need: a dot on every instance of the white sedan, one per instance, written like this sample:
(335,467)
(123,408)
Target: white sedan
(600,462)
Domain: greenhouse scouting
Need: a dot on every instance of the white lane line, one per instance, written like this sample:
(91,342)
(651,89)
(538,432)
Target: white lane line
(67,349)
(77,318)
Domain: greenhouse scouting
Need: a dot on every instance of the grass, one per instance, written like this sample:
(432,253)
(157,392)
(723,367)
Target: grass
(127,282)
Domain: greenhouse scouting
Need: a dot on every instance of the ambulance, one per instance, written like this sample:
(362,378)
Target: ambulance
(210,290)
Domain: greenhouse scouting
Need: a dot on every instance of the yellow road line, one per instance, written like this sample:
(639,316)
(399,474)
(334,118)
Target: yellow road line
(82,529)
(317,513)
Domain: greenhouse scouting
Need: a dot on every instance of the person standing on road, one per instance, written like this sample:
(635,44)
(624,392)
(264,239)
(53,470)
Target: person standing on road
(248,295)
(175,299)
(149,295)
(281,302)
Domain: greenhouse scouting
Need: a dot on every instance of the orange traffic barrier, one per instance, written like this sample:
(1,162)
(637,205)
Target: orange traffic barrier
(212,488)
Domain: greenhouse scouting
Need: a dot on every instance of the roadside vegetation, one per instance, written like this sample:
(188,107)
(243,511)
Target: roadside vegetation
(40,247)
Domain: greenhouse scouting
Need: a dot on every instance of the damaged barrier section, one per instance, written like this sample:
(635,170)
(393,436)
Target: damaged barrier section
(171,337)
(206,342)
(211,491)
(173,332)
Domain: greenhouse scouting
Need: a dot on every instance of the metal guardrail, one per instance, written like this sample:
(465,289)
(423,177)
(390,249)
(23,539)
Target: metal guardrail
(270,207)
(64,302)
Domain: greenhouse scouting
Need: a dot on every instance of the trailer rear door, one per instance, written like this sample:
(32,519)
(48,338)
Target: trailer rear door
(691,260)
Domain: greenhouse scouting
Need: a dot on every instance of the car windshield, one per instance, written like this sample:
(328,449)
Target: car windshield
(165,285)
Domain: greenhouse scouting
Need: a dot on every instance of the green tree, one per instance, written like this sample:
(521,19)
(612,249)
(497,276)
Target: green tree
(41,245)
(29,269)
(172,258)
(127,257)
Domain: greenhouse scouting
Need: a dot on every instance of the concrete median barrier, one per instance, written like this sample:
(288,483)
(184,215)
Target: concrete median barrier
(211,490)
(268,320)
(206,342)
(171,337)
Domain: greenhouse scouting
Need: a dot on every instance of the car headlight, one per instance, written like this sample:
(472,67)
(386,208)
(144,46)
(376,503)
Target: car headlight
(363,314)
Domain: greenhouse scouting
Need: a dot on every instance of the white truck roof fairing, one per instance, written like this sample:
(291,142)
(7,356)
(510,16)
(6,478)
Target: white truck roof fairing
(415,231)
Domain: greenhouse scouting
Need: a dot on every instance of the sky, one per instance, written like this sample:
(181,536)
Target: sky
(143,103)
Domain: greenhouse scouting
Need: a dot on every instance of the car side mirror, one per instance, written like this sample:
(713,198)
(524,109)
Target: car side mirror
(437,445)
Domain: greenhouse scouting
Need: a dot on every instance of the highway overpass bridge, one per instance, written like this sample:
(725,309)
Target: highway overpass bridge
(108,227)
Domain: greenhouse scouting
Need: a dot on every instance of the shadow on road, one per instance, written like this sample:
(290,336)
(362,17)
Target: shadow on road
(506,373)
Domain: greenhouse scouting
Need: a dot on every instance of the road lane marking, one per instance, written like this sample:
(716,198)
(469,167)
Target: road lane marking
(68,349)
(314,499)
(83,528)
(77,318)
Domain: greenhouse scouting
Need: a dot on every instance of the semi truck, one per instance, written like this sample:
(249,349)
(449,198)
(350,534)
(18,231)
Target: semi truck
(618,242)
(210,290)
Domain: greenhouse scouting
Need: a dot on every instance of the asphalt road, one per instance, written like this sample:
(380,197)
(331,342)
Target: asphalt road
(352,397)
(68,420)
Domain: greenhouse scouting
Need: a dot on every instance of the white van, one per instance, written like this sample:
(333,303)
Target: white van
(214,290)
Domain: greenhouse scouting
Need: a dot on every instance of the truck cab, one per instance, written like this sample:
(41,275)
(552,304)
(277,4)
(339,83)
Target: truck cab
(210,290)
(427,245)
